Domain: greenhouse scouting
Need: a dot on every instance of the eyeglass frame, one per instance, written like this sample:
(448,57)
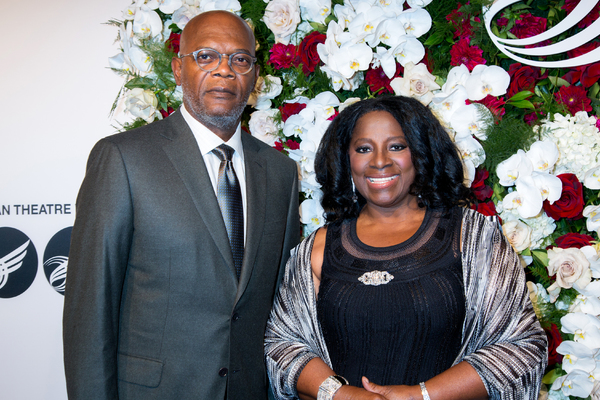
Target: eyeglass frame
(194,54)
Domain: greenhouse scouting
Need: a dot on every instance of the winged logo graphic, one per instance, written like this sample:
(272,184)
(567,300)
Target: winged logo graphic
(12,262)
(58,276)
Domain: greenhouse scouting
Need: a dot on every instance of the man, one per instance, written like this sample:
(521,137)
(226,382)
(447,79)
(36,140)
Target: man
(154,308)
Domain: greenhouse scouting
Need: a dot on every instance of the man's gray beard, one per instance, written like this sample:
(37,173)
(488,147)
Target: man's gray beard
(226,122)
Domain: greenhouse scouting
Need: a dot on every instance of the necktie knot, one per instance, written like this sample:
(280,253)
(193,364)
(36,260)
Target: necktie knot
(224,152)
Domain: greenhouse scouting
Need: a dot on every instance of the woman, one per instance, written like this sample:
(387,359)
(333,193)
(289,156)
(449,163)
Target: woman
(405,286)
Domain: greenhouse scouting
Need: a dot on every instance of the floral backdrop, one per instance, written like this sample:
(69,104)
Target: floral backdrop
(529,136)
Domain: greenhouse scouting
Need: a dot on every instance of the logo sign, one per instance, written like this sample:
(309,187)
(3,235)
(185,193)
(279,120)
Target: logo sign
(512,47)
(18,262)
(56,257)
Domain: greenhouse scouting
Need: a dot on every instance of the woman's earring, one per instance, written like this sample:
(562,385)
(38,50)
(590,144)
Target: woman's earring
(354,196)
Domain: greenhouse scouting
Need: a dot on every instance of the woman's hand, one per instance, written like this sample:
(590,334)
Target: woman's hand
(393,392)
(348,392)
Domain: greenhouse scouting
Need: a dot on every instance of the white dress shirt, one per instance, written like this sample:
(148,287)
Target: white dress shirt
(207,141)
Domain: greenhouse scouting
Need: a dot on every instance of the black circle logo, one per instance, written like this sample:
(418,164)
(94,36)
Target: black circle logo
(56,258)
(18,262)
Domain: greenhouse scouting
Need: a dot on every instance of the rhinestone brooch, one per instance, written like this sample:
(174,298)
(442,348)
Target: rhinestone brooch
(376,278)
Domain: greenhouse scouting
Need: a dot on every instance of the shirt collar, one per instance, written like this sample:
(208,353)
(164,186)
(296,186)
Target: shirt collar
(207,139)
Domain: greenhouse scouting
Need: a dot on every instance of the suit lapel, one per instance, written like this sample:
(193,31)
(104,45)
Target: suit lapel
(182,149)
(256,186)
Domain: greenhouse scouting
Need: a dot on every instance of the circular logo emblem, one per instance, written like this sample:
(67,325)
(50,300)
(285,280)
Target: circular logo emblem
(56,258)
(18,262)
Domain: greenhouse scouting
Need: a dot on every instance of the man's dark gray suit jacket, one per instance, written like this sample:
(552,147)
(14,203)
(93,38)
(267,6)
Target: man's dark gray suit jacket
(153,309)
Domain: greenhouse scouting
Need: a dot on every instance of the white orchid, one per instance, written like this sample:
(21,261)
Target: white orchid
(526,199)
(140,59)
(350,58)
(577,356)
(585,328)
(315,10)
(550,186)
(312,215)
(592,213)
(418,3)
(416,21)
(147,23)
(515,166)
(385,59)
(543,155)
(364,25)
(472,154)
(486,80)
(165,6)
(409,49)
(471,119)
(457,77)
(591,179)
(184,14)
(323,105)
(591,253)
(344,14)
(388,31)
(445,105)
(577,383)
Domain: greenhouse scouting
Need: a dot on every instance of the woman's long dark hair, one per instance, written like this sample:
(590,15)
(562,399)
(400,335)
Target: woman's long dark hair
(438,167)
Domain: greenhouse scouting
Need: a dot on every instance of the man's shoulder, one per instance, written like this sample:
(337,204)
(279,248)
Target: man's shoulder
(161,128)
(268,152)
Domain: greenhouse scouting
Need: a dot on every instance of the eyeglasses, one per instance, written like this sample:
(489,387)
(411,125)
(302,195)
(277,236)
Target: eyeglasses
(209,59)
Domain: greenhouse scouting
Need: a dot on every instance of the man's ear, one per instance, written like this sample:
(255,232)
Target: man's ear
(176,67)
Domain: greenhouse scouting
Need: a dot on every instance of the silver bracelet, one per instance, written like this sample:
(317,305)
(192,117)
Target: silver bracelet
(329,386)
(424,391)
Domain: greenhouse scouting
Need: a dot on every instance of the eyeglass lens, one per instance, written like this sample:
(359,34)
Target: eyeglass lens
(209,60)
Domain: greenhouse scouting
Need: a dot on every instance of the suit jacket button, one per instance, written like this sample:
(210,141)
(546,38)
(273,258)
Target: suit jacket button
(223,372)
(236,316)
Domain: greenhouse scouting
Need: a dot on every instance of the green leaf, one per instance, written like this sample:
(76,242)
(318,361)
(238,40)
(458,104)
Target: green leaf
(551,376)
(541,256)
(594,90)
(522,104)
(434,39)
(521,96)
(558,82)
(139,82)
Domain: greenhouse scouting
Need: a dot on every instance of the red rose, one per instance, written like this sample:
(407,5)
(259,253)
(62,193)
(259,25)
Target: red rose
(167,112)
(492,103)
(279,146)
(307,52)
(590,75)
(282,56)
(172,42)
(574,98)
(378,80)
(479,188)
(488,208)
(292,144)
(576,240)
(589,19)
(522,78)
(289,109)
(570,204)
(529,25)
(554,340)
(463,53)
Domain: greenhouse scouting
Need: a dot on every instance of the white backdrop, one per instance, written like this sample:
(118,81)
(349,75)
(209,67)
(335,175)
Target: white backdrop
(56,96)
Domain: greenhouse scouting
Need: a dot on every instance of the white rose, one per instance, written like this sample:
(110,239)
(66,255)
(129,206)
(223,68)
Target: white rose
(141,104)
(263,126)
(570,266)
(282,17)
(417,82)
(518,234)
